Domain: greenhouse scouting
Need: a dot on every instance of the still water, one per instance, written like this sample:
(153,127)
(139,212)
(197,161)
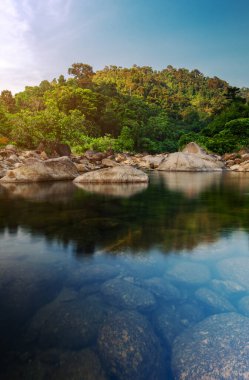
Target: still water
(126,282)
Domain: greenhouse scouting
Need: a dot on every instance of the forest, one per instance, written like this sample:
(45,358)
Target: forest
(135,109)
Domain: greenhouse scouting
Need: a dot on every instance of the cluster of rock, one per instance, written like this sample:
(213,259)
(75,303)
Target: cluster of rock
(103,323)
(97,167)
(238,162)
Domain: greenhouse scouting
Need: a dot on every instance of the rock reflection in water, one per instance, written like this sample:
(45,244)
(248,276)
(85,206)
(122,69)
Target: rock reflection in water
(117,190)
(190,184)
(40,192)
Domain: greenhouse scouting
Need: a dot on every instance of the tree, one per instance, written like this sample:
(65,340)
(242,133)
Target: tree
(8,101)
(83,73)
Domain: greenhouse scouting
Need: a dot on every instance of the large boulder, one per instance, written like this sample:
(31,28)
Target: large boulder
(117,174)
(191,162)
(216,348)
(193,148)
(130,349)
(36,171)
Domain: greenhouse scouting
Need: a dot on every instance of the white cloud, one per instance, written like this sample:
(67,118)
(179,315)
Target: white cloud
(28,30)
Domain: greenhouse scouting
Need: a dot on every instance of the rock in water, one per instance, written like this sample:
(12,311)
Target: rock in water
(122,293)
(235,269)
(170,320)
(214,349)
(130,349)
(72,323)
(214,301)
(78,365)
(55,169)
(117,174)
(190,162)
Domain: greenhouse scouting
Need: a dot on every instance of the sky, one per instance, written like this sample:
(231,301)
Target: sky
(40,39)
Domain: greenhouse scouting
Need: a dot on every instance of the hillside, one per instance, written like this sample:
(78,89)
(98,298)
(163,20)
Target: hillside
(128,109)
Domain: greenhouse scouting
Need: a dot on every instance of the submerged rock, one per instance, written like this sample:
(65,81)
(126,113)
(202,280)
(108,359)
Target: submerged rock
(244,306)
(171,320)
(226,286)
(125,294)
(235,269)
(215,302)
(24,287)
(162,288)
(72,323)
(130,349)
(78,365)
(117,174)
(190,162)
(216,348)
(189,273)
(54,364)
(36,170)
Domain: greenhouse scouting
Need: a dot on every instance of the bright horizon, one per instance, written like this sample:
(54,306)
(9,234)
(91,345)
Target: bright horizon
(41,39)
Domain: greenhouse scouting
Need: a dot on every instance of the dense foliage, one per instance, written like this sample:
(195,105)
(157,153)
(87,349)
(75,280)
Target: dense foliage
(128,109)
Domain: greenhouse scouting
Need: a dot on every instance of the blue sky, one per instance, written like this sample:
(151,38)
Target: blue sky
(40,39)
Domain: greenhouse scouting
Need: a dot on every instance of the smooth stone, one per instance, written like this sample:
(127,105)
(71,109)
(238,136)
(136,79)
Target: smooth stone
(172,319)
(189,273)
(72,324)
(117,174)
(24,288)
(226,286)
(55,364)
(235,269)
(35,170)
(130,349)
(216,302)
(244,306)
(214,349)
(190,162)
(162,288)
(123,293)
(78,365)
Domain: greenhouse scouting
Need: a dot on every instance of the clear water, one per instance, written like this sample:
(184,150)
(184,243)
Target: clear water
(96,282)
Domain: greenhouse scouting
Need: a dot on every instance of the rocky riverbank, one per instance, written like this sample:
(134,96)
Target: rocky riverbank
(35,165)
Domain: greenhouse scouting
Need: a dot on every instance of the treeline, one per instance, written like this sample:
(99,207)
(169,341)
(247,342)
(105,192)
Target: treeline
(128,109)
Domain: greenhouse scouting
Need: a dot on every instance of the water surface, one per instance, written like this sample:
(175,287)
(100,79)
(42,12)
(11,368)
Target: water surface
(96,282)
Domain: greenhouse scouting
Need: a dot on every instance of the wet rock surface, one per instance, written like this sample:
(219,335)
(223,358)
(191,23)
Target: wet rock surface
(162,288)
(170,320)
(235,269)
(216,348)
(59,365)
(214,301)
(122,293)
(130,349)
(70,323)
(24,288)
